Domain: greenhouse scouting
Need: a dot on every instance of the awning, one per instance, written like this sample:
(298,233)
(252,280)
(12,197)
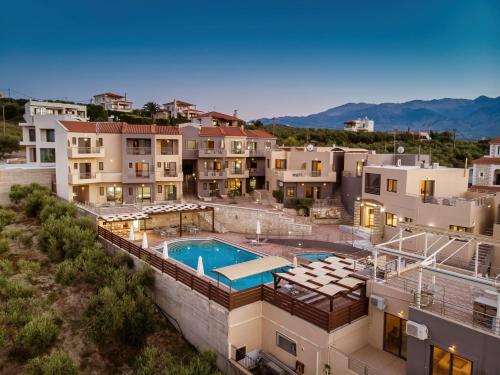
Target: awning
(252,267)
(124,217)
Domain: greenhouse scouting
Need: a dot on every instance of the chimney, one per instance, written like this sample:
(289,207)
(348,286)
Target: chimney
(235,113)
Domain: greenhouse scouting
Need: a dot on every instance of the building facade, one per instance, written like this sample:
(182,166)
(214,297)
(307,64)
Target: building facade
(486,169)
(113,102)
(179,108)
(114,163)
(218,119)
(38,128)
(360,125)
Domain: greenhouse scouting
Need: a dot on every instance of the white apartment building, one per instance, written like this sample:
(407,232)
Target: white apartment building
(179,108)
(39,128)
(486,169)
(113,102)
(360,125)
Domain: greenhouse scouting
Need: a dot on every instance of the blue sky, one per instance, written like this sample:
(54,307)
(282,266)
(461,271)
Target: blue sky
(264,58)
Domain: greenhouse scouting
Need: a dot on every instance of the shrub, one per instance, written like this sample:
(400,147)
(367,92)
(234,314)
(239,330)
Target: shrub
(17,289)
(57,208)
(113,317)
(278,195)
(300,203)
(19,192)
(94,264)
(37,336)
(6,267)
(6,217)
(19,311)
(26,239)
(28,267)
(4,245)
(57,363)
(66,272)
(35,202)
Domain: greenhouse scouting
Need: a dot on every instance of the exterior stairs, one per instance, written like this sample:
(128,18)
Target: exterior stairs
(484,258)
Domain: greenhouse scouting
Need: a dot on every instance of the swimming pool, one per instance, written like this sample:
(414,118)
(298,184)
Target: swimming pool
(216,254)
(314,257)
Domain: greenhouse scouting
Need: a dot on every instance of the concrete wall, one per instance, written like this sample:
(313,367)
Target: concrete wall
(350,190)
(480,347)
(22,174)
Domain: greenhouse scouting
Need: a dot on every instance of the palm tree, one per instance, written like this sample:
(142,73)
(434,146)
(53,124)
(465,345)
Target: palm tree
(151,109)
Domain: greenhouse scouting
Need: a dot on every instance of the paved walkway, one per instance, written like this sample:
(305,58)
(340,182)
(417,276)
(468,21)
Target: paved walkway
(382,362)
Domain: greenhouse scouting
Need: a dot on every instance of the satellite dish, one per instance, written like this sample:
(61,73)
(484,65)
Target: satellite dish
(401,149)
(310,147)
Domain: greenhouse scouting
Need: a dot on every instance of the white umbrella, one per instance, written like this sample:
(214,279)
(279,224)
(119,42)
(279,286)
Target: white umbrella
(131,234)
(295,262)
(144,241)
(165,250)
(199,270)
(222,144)
(257,230)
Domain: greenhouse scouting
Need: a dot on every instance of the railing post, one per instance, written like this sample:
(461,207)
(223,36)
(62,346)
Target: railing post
(176,273)
(209,291)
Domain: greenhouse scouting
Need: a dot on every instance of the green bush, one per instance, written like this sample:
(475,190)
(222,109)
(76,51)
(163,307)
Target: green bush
(124,318)
(6,217)
(4,245)
(278,195)
(66,272)
(6,267)
(19,311)
(26,239)
(57,363)
(37,336)
(28,267)
(17,289)
(299,203)
(19,192)
(36,201)
(57,208)
(8,144)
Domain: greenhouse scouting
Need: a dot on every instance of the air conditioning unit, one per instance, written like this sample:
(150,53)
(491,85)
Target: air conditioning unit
(419,331)
(435,165)
(377,302)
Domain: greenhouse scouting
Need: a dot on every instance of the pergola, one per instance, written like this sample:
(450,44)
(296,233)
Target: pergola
(332,277)
(252,267)
(160,209)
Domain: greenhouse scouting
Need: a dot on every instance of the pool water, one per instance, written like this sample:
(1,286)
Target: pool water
(314,257)
(216,254)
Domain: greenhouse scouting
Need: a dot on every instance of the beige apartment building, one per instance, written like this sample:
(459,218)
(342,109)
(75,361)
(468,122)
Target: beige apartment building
(301,172)
(179,108)
(219,160)
(113,102)
(214,118)
(112,163)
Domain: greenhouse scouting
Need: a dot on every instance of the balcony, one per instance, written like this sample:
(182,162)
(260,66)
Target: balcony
(139,150)
(91,178)
(257,171)
(169,151)
(373,189)
(257,153)
(306,176)
(212,174)
(237,152)
(211,152)
(163,175)
(85,152)
(237,173)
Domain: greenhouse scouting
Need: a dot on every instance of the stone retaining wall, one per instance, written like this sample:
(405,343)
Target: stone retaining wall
(23,175)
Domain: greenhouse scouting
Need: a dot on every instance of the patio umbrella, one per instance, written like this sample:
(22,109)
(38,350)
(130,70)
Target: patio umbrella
(295,262)
(144,241)
(131,234)
(222,144)
(165,250)
(199,270)
(257,230)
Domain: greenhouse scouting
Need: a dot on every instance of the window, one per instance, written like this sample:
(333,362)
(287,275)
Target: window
(47,155)
(391,219)
(32,135)
(286,344)
(139,146)
(280,164)
(99,142)
(130,165)
(359,168)
(372,183)
(481,174)
(50,135)
(158,164)
(204,186)
(101,190)
(408,220)
(253,164)
(392,185)
(268,163)
(446,363)
(236,147)
(130,191)
(75,165)
(290,192)
(498,150)
(191,145)
(268,145)
(114,193)
(316,168)
(458,228)
(267,185)
(395,339)
(101,166)
(159,189)
(252,145)
(73,140)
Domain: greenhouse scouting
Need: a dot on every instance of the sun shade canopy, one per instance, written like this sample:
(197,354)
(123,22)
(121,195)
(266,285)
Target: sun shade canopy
(252,267)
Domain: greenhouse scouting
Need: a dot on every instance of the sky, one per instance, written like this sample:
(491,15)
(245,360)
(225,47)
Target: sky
(264,58)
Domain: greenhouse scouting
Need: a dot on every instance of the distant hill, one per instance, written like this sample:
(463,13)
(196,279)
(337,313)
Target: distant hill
(472,118)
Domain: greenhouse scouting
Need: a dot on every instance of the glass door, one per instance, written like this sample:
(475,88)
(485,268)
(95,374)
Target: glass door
(426,189)
(446,363)
(316,168)
(143,194)
(395,339)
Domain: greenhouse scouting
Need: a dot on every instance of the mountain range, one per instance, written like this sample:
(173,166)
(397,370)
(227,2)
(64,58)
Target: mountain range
(472,118)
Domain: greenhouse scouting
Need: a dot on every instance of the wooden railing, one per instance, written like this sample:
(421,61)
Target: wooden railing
(202,286)
(320,318)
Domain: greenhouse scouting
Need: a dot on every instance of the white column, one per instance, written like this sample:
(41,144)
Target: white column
(434,274)
(426,244)
(400,250)
(419,287)
(476,261)
(375,264)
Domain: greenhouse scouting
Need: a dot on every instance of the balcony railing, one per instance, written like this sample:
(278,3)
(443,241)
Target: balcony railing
(214,173)
(210,151)
(238,151)
(315,173)
(139,150)
(168,151)
(88,150)
(372,190)
(169,173)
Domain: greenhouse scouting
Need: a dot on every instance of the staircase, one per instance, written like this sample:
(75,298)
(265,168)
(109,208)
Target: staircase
(336,201)
(484,258)
(488,231)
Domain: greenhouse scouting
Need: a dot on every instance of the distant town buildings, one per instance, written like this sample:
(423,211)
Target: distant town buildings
(486,169)
(113,102)
(218,119)
(360,125)
(179,108)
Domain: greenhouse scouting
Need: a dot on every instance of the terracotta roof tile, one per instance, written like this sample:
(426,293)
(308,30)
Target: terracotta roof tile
(111,94)
(495,140)
(118,128)
(219,115)
(258,134)
(486,160)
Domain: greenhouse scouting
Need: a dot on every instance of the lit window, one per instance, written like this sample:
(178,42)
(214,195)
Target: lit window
(359,168)
(446,363)
(280,164)
(458,228)
(290,192)
(391,219)
(392,185)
